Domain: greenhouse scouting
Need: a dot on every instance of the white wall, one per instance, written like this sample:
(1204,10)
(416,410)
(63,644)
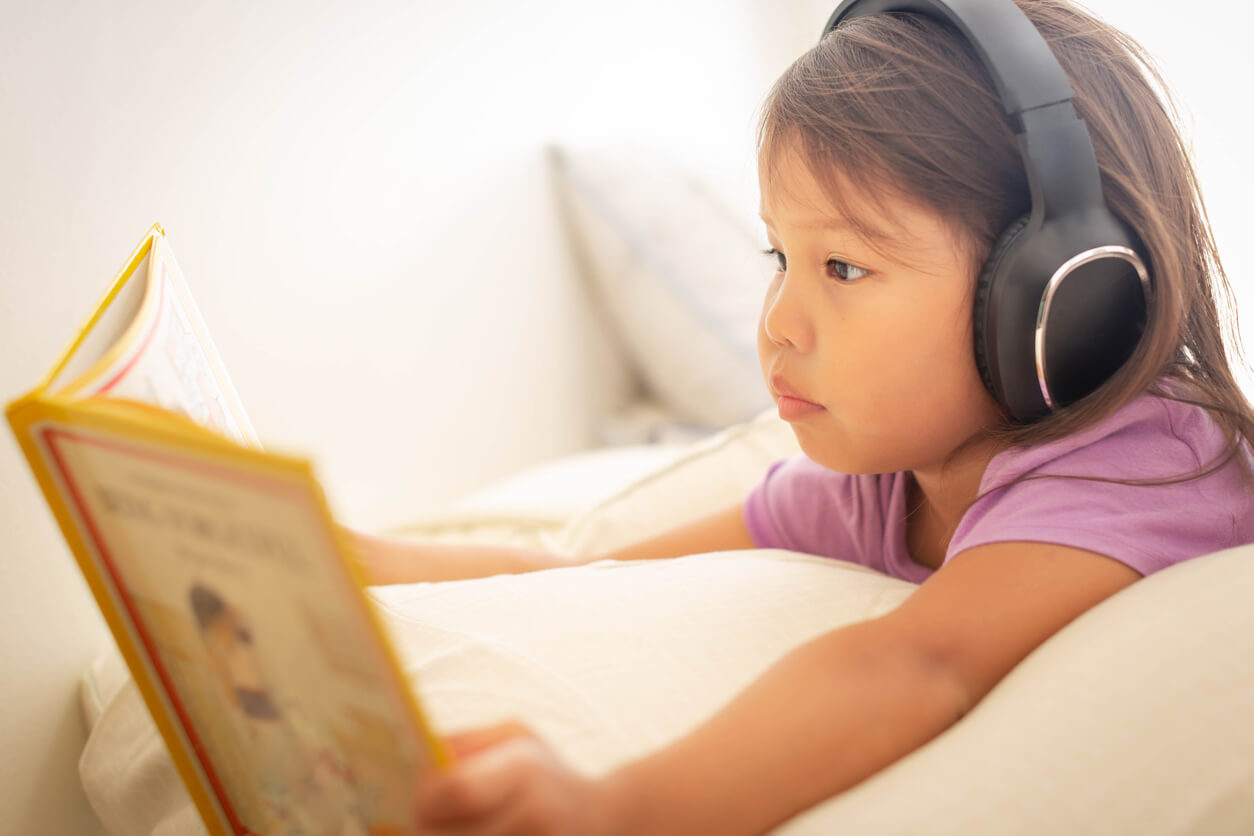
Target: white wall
(357,195)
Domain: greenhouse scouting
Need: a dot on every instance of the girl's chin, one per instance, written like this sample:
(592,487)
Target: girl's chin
(841,455)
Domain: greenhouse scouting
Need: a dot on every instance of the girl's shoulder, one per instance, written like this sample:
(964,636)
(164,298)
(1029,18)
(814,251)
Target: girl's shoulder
(1154,437)
(1141,486)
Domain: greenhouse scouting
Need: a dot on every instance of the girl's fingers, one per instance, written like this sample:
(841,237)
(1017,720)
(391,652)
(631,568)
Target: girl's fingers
(465,744)
(481,784)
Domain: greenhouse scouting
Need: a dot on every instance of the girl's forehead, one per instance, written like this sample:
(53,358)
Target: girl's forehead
(792,193)
(792,196)
(879,217)
(788,187)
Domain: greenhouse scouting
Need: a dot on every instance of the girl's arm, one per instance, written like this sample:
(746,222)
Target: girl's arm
(826,716)
(387,560)
(851,702)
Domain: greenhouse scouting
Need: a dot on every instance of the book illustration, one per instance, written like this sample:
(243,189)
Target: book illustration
(291,777)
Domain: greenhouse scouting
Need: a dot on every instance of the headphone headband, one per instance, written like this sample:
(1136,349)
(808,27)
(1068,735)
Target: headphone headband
(1035,93)
(1023,68)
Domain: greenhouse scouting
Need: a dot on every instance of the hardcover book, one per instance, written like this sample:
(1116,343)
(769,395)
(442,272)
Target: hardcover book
(219,568)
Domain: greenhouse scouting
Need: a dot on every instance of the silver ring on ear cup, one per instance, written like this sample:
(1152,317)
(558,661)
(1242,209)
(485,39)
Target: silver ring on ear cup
(983,288)
(1069,268)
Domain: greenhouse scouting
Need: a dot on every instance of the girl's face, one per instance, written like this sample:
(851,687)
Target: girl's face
(867,353)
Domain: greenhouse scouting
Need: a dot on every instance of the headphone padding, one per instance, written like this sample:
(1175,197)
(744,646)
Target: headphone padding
(983,289)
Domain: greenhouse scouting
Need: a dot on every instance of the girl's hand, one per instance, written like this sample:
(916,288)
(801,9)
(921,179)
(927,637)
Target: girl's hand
(507,782)
(384,560)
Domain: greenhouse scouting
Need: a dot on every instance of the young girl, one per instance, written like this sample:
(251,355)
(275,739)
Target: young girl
(888,168)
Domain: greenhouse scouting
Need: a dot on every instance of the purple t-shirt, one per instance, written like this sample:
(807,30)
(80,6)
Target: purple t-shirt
(805,507)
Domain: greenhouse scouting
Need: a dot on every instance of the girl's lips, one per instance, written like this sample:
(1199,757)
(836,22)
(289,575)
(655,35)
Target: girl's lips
(794,409)
(791,406)
(781,388)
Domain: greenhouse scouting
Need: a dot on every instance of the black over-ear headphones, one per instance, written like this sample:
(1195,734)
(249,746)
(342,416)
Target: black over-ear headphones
(1062,300)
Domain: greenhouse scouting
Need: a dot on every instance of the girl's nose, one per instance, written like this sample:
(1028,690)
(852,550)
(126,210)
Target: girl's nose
(784,319)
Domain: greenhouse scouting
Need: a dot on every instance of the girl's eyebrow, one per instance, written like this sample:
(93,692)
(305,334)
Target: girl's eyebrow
(830,225)
(882,245)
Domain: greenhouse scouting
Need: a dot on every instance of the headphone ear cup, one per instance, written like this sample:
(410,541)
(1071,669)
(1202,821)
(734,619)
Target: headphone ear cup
(983,290)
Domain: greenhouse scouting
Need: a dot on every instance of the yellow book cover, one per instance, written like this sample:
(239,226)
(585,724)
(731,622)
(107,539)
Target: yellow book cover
(222,575)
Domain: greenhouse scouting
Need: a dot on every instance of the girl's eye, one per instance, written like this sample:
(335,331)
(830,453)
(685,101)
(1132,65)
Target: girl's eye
(781,264)
(844,271)
(837,269)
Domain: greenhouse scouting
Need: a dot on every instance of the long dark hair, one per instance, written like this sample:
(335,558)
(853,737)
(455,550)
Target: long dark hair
(900,102)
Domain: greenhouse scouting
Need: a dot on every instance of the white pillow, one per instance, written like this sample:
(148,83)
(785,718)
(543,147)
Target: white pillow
(713,474)
(1136,718)
(1133,719)
(527,508)
(628,654)
(678,275)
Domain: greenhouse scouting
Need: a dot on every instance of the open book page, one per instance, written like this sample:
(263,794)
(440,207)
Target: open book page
(277,681)
(149,343)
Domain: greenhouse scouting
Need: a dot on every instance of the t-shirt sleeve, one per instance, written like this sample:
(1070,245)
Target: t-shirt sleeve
(1076,492)
(765,512)
(805,507)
